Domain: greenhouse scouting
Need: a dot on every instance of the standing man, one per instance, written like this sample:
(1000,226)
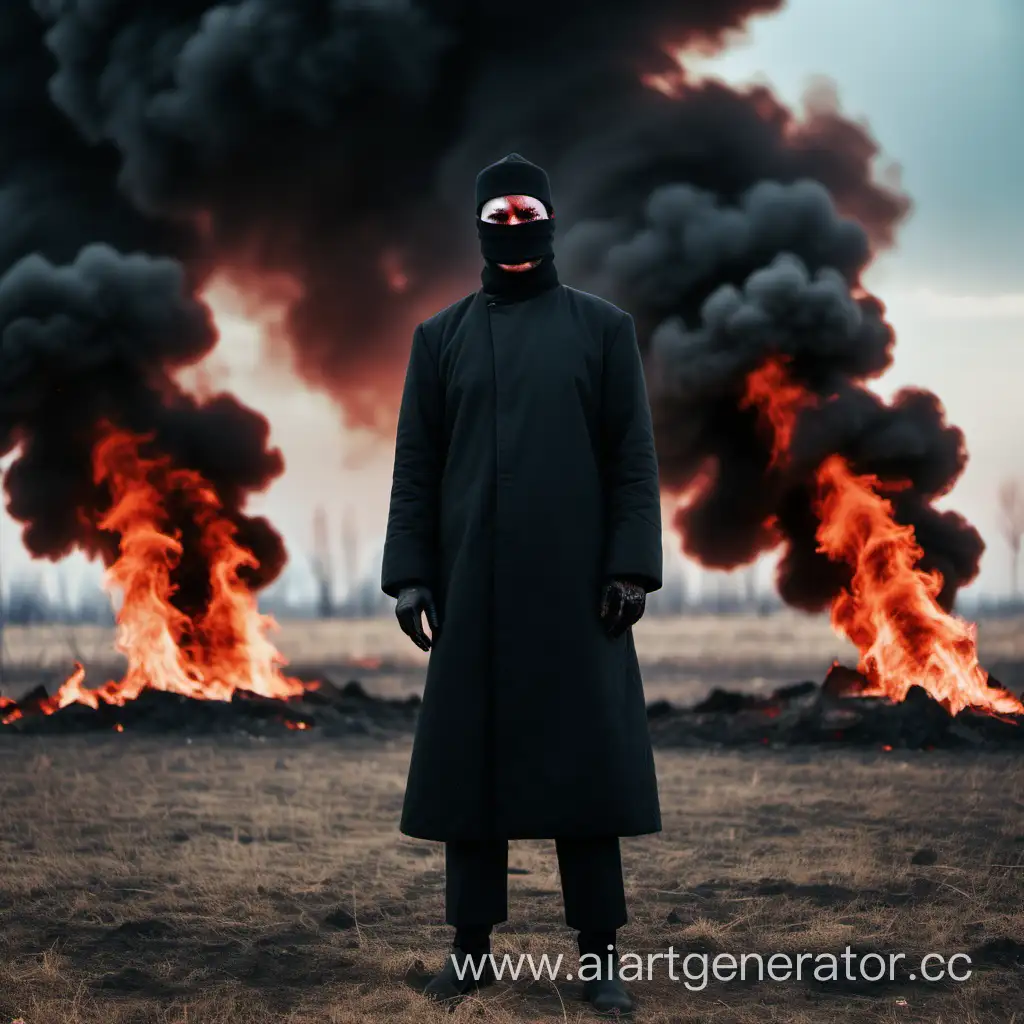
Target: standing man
(525,526)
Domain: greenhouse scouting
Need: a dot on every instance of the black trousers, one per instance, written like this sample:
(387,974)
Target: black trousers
(593,895)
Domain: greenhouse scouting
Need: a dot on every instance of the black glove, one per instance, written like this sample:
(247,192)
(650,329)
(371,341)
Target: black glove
(622,605)
(412,603)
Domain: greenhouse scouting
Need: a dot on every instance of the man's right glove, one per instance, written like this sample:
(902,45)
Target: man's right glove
(413,603)
(622,606)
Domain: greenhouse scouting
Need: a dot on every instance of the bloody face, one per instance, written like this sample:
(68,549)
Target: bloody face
(511,210)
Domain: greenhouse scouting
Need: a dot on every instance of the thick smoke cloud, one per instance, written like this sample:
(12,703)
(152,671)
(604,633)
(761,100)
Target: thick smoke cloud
(726,285)
(94,343)
(336,141)
(92,328)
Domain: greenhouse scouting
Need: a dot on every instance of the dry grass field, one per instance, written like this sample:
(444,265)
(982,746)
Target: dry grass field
(161,880)
(681,656)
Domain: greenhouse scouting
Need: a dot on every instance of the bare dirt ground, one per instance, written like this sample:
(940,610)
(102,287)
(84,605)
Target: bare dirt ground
(223,881)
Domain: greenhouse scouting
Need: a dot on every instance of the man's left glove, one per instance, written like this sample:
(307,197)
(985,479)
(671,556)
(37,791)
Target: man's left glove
(413,603)
(622,606)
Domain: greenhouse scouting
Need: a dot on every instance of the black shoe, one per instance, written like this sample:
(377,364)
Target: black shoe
(608,996)
(447,985)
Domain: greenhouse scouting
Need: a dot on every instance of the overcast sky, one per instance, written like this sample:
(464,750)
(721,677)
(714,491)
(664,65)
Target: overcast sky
(940,85)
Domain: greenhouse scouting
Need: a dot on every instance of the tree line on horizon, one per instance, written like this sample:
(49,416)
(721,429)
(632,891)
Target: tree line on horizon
(310,588)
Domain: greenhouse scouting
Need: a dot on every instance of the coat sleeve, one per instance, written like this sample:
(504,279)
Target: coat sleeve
(410,547)
(634,538)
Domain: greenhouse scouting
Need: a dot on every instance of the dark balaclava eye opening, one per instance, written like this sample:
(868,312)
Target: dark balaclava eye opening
(514,243)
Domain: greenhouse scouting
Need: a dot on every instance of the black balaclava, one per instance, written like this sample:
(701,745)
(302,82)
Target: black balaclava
(516,243)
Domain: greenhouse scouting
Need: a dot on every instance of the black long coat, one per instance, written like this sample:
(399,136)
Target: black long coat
(525,476)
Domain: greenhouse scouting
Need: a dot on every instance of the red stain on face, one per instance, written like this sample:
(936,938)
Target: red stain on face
(514,210)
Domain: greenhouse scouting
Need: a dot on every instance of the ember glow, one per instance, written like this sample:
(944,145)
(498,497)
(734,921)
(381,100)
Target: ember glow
(890,610)
(207,652)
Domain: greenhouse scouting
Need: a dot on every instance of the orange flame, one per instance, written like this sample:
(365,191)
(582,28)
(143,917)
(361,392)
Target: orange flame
(890,611)
(11,716)
(224,648)
(779,400)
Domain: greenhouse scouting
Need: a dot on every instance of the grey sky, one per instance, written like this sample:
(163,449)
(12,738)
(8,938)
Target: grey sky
(942,84)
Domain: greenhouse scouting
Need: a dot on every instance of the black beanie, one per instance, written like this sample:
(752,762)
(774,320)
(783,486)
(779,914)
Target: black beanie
(513,175)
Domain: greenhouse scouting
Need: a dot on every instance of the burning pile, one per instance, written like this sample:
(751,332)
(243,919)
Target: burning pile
(201,638)
(763,339)
(809,713)
(145,149)
(115,459)
(889,608)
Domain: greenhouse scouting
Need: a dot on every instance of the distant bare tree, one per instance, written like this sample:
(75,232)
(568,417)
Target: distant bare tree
(1011,525)
(27,603)
(750,587)
(350,548)
(322,566)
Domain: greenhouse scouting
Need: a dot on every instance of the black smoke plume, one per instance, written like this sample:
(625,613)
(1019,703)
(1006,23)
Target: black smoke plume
(95,318)
(723,287)
(92,345)
(336,142)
